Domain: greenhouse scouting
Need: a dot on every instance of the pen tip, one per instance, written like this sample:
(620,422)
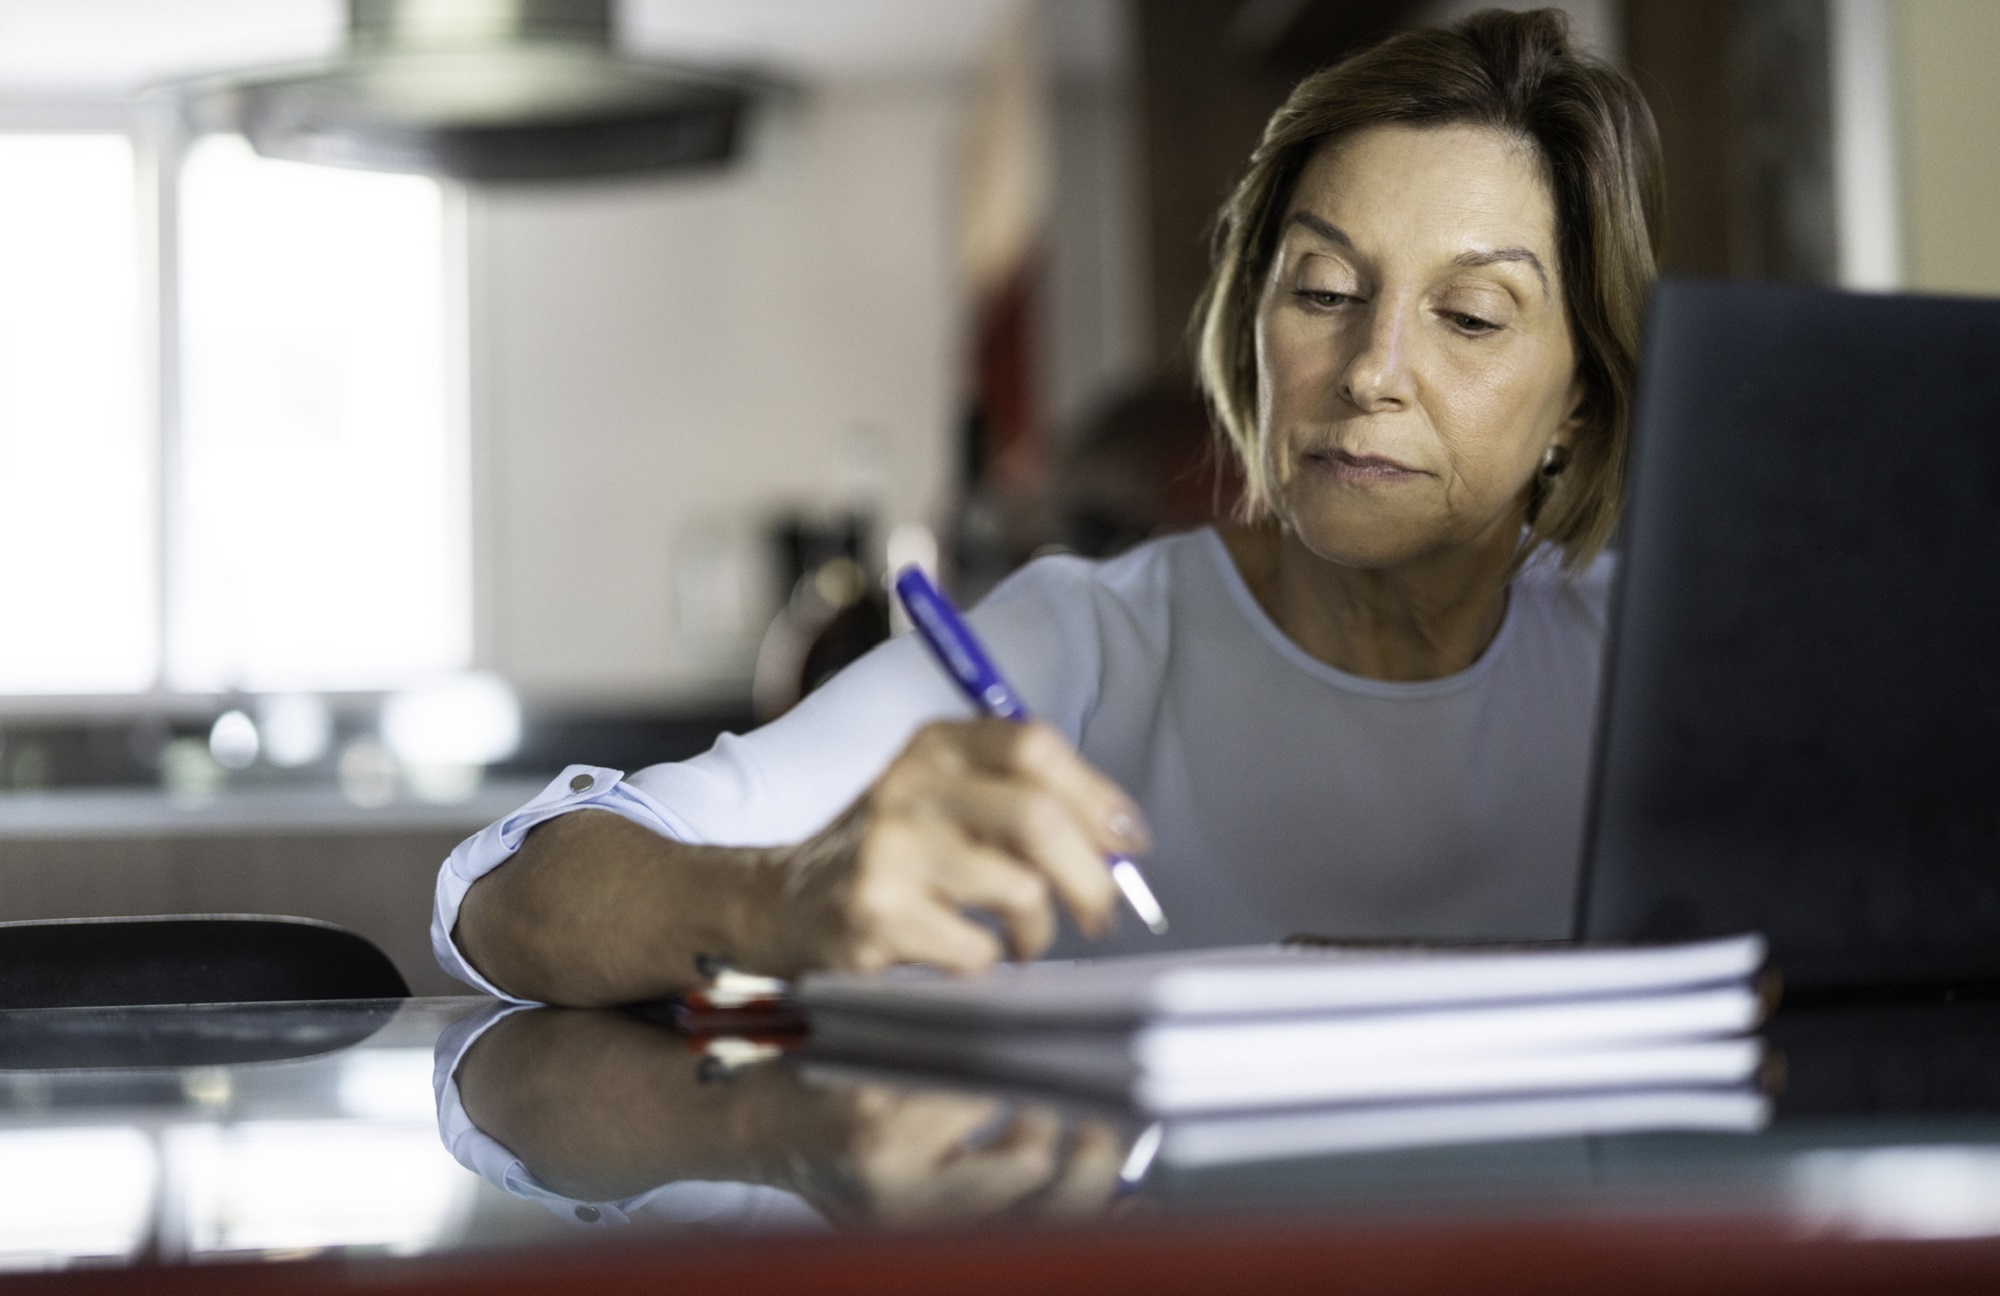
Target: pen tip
(1126,874)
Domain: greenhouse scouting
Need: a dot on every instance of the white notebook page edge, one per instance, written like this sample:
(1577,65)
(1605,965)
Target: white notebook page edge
(1275,980)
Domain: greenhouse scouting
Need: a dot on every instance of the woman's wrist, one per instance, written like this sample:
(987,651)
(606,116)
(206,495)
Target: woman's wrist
(749,919)
(780,921)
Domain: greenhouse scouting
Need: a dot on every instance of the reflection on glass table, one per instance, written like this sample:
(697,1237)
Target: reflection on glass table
(609,1117)
(183,1135)
(170,1134)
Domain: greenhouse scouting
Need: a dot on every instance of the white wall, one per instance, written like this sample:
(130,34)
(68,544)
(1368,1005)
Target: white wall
(1948,92)
(1917,143)
(658,365)
(1097,314)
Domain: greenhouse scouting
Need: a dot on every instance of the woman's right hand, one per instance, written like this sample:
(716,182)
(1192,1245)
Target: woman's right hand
(983,815)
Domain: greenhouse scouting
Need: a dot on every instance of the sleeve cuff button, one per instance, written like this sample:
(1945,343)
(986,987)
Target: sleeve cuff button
(582,783)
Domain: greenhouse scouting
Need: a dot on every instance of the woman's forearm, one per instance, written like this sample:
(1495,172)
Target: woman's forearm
(1006,819)
(595,910)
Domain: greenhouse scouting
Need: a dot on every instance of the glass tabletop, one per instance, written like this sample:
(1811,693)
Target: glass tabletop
(431,1126)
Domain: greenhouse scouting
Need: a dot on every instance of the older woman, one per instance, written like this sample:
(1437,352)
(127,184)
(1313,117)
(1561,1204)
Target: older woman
(1363,710)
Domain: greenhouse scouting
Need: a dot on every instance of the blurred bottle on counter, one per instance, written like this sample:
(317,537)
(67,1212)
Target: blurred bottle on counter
(835,607)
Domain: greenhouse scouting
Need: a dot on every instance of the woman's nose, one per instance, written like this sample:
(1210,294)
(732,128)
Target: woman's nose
(1377,374)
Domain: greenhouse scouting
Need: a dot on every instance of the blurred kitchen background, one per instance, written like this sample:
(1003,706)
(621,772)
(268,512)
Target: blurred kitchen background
(404,399)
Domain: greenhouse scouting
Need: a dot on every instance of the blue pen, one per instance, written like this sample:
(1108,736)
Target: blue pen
(952,642)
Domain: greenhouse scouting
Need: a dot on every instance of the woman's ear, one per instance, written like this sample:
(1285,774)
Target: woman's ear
(1556,454)
(1573,420)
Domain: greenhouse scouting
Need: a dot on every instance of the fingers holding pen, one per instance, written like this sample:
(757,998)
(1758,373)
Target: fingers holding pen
(921,877)
(1039,755)
(1034,827)
(1025,790)
(915,881)
(986,817)
(995,883)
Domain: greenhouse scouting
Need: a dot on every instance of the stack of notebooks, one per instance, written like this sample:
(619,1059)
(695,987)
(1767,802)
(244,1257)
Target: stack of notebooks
(1243,1053)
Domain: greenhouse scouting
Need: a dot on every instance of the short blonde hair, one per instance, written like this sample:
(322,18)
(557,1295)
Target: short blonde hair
(1599,148)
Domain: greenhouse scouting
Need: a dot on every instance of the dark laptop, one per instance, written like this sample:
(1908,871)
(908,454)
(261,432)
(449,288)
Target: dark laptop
(1800,730)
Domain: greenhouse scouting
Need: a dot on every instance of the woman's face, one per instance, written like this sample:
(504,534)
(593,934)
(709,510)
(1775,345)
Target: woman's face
(1413,356)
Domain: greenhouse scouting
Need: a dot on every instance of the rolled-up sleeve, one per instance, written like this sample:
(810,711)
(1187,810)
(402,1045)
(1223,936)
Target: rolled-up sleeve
(580,787)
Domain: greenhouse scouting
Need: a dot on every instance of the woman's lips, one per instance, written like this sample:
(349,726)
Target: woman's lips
(1345,466)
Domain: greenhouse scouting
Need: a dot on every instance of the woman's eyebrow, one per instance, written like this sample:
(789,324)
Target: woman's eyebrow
(1332,233)
(1497,255)
(1326,229)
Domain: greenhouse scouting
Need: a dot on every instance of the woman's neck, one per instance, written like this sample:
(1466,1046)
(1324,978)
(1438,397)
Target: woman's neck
(1422,620)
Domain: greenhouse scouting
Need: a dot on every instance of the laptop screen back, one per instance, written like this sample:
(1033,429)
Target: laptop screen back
(1800,730)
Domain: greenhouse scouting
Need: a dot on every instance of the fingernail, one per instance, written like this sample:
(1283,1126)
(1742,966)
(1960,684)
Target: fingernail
(1125,826)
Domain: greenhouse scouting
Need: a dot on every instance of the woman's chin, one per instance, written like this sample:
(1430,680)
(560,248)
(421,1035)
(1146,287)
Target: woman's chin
(1362,537)
(1343,547)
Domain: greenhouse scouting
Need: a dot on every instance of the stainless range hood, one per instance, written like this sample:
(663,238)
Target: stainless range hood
(483,90)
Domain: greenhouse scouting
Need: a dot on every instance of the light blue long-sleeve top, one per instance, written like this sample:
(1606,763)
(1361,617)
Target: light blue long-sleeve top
(1285,796)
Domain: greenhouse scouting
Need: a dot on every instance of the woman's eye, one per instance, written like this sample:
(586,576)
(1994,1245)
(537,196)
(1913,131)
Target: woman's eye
(1323,297)
(1470,323)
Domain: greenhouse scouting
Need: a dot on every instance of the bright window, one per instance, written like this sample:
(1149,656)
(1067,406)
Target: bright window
(322,536)
(317,516)
(78,548)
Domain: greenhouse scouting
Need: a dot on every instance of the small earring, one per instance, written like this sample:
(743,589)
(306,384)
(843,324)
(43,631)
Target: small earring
(1554,460)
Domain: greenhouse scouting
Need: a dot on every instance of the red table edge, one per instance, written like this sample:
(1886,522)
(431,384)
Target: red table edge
(1542,1258)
